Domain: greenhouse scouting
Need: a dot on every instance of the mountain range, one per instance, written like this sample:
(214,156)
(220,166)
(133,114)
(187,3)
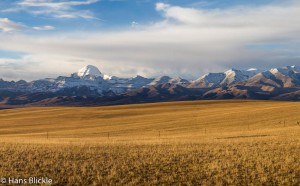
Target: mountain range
(89,86)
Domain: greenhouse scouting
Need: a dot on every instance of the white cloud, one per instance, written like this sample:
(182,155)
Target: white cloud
(7,25)
(44,28)
(134,24)
(32,67)
(162,6)
(53,8)
(55,5)
(187,42)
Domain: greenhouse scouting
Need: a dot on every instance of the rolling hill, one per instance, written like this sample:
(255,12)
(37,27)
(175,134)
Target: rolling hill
(196,142)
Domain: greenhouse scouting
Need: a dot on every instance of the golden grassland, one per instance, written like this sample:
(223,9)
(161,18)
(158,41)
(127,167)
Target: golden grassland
(189,143)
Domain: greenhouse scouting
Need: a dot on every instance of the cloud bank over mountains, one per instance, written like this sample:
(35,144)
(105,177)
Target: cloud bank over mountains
(186,41)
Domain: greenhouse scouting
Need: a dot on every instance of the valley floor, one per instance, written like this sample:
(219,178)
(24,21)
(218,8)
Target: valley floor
(193,143)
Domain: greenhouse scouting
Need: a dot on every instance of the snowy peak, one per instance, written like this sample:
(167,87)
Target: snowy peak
(286,70)
(234,75)
(252,69)
(179,81)
(249,72)
(160,80)
(295,68)
(89,71)
(284,77)
(223,78)
(166,79)
(208,80)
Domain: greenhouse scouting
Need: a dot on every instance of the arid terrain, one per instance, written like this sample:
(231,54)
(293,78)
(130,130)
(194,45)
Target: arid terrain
(191,143)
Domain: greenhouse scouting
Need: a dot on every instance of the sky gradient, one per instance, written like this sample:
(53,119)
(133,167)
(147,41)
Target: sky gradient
(48,38)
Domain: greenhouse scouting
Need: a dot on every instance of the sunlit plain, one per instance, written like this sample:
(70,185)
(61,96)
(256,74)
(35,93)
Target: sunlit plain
(198,142)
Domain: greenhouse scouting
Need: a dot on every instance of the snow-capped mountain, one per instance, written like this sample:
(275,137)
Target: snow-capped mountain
(88,72)
(89,86)
(234,76)
(208,80)
(92,79)
(89,80)
(288,70)
(224,78)
(277,77)
(166,79)
(88,76)
(122,85)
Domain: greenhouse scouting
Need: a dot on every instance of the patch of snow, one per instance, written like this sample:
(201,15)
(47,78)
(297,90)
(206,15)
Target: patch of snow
(89,71)
(252,69)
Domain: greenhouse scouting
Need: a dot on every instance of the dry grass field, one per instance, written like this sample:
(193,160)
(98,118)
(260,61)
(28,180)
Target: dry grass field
(180,143)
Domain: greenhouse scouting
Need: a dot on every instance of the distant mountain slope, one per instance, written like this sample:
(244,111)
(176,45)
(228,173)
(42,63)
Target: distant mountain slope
(166,79)
(154,93)
(226,78)
(291,96)
(89,86)
(277,77)
(88,77)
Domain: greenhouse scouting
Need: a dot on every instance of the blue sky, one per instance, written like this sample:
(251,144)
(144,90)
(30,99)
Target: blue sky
(113,14)
(147,37)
